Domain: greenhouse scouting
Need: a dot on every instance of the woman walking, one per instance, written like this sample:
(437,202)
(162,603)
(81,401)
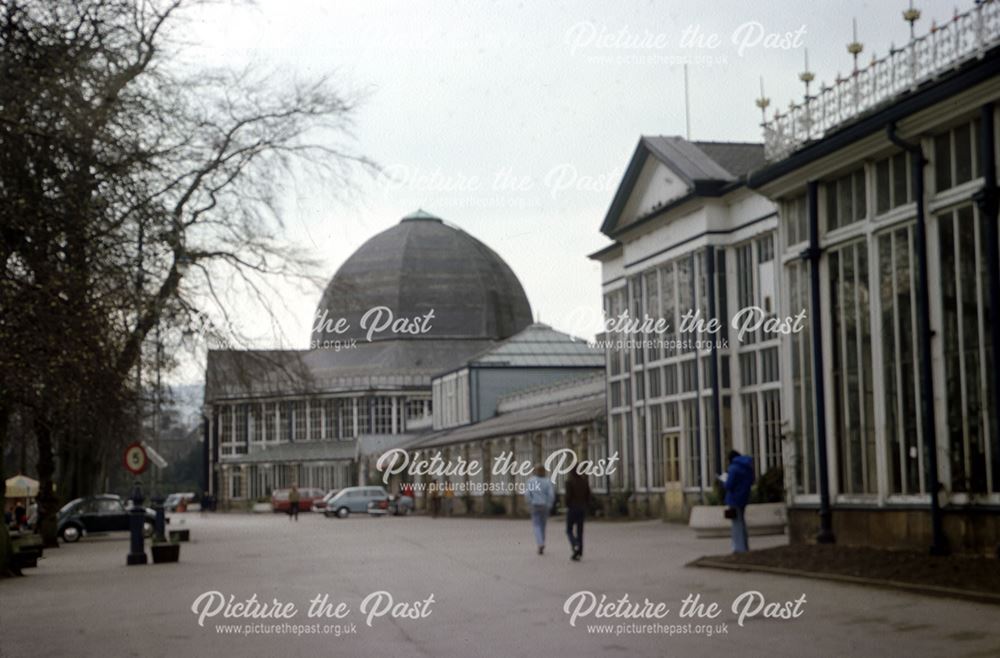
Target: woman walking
(540,494)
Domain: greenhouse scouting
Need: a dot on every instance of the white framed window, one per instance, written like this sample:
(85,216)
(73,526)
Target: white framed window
(893,183)
(298,409)
(900,361)
(846,200)
(801,382)
(795,221)
(851,368)
(956,156)
(315,429)
(970,417)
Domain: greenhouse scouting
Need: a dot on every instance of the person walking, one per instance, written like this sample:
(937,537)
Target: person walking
(449,498)
(20,515)
(739,479)
(540,494)
(577,501)
(293,503)
(434,491)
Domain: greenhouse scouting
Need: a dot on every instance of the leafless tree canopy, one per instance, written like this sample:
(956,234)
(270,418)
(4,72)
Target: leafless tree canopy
(131,185)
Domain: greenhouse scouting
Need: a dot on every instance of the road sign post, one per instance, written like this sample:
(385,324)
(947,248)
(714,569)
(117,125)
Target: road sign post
(136,461)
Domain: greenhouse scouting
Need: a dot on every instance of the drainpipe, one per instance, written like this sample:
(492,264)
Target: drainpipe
(714,365)
(813,254)
(697,384)
(939,543)
(988,200)
(206,455)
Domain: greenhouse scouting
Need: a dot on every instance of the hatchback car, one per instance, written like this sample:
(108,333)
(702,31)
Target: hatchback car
(106,513)
(353,499)
(320,505)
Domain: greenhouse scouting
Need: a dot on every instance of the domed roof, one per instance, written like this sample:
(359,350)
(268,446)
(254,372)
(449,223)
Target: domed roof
(418,266)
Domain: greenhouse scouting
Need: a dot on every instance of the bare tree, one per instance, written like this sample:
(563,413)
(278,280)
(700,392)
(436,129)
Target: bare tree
(133,187)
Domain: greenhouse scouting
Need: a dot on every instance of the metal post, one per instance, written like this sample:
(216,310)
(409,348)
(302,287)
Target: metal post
(697,381)
(136,520)
(714,364)
(939,543)
(813,255)
(988,200)
(160,527)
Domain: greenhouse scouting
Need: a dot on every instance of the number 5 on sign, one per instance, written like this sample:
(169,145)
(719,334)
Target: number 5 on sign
(135,458)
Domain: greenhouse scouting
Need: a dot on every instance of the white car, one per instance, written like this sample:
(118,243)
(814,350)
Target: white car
(174,499)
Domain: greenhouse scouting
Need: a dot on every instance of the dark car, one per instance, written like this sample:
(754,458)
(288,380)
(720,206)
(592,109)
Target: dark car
(94,514)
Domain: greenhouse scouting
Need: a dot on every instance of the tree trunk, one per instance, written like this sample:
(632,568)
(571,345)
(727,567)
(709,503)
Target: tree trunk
(6,550)
(48,504)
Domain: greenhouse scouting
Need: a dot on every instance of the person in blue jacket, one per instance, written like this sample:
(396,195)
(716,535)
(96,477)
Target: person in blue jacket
(739,479)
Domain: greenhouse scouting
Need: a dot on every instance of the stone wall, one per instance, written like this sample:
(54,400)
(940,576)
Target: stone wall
(969,531)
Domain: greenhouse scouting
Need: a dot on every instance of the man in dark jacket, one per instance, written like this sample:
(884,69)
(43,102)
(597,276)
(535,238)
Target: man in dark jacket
(739,479)
(577,500)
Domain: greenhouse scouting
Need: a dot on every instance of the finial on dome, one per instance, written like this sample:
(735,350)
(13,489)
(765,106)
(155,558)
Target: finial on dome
(421,215)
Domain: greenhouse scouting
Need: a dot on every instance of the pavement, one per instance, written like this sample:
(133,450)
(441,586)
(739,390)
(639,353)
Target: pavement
(492,596)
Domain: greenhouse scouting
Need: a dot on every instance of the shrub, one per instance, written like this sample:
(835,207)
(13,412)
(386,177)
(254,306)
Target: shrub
(770,487)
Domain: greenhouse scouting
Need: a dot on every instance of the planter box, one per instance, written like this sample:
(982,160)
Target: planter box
(260,508)
(762,519)
(180,535)
(166,552)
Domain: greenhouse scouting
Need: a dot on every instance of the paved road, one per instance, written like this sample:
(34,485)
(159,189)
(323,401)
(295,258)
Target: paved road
(493,596)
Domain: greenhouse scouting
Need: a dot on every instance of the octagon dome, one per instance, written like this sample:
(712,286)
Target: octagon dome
(418,266)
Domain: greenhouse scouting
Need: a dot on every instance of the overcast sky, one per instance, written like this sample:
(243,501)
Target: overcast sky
(514,120)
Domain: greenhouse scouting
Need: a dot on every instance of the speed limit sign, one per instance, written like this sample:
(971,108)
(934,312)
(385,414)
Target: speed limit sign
(136,459)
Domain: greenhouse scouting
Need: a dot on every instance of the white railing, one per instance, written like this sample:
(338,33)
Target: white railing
(964,37)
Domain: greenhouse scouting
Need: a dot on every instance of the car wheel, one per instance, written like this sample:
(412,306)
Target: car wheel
(71,534)
(343,513)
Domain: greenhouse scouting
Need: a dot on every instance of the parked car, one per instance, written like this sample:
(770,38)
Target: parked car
(104,513)
(320,505)
(391,505)
(353,499)
(307,498)
(174,500)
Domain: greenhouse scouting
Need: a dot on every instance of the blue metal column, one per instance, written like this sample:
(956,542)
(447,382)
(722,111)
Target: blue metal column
(813,254)
(988,200)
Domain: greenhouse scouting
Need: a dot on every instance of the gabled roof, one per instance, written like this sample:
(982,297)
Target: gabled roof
(738,158)
(686,159)
(537,346)
(707,168)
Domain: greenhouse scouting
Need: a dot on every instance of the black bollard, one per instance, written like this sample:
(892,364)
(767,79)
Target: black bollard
(160,527)
(136,520)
